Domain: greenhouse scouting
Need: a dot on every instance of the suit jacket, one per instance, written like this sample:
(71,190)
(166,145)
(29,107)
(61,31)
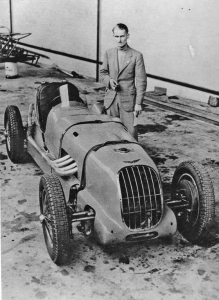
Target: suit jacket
(131,78)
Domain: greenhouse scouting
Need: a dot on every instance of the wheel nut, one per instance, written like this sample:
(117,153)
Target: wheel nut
(42,218)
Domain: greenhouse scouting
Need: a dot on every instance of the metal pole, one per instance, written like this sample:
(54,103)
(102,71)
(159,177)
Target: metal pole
(98,40)
(11,29)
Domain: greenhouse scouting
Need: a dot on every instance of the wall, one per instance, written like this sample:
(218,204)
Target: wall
(179,39)
(4,15)
(68,26)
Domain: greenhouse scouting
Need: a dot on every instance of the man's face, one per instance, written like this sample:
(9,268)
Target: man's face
(121,37)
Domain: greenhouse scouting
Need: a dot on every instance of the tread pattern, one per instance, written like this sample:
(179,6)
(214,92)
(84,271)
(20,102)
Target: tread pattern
(205,188)
(61,251)
(16,153)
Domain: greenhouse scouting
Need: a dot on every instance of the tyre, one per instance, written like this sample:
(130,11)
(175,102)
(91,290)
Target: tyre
(54,219)
(193,192)
(15,135)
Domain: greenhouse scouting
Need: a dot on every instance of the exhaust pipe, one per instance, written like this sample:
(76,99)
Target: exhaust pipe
(64,166)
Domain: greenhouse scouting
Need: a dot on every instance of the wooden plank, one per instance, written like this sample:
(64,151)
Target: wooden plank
(189,112)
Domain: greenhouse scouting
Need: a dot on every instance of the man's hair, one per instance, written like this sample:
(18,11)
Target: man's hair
(121,26)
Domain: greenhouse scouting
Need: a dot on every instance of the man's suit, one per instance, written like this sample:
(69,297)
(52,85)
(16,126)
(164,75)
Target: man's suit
(131,78)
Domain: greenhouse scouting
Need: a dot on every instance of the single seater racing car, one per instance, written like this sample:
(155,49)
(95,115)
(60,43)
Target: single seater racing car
(100,178)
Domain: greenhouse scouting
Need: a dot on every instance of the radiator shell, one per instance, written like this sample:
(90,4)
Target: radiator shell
(141,197)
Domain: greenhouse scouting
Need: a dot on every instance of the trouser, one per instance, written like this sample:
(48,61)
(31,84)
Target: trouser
(127,118)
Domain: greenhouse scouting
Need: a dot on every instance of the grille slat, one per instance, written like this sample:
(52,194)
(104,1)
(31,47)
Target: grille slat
(132,198)
(149,191)
(143,192)
(141,197)
(154,193)
(137,199)
(126,198)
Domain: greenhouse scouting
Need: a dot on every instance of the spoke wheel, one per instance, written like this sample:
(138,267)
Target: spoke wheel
(192,186)
(14,134)
(54,219)
(47,222)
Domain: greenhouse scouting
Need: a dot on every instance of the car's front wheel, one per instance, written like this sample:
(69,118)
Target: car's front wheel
(193,195)
(54,219)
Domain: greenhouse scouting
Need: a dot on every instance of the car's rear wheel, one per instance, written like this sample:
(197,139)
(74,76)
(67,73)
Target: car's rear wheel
(193,192)
(54,219)
(15,135)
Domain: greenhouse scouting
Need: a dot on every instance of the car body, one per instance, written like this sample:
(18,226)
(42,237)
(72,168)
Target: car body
(109,185)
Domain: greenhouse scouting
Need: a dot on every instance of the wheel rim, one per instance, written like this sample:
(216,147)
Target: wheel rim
(188,191)
(7,135)
(47,222)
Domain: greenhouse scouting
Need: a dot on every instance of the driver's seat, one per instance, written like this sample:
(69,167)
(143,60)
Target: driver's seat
(48,95)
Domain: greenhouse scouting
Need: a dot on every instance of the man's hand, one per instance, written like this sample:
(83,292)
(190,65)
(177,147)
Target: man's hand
(113,84)
(137,109)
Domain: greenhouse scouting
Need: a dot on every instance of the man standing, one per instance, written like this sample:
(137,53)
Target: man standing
(124,75)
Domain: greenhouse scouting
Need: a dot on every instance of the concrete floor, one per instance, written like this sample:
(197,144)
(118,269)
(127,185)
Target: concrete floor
(166,270)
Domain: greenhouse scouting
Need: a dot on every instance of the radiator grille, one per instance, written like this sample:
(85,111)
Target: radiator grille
(141,197)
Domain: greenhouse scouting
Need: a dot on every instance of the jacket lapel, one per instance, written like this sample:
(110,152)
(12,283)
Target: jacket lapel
(115,57)
(127,60)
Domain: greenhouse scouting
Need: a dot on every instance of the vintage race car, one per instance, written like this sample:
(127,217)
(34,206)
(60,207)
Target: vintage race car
(98,177)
